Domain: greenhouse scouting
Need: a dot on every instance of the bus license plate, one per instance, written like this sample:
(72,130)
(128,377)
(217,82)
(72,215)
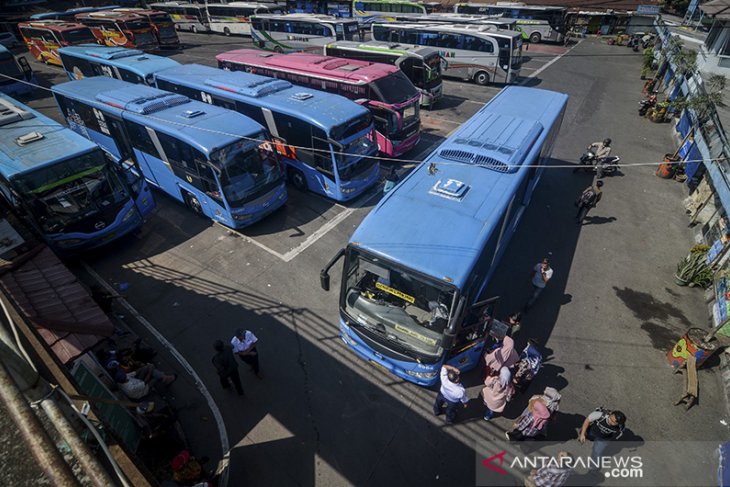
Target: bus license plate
(379,365)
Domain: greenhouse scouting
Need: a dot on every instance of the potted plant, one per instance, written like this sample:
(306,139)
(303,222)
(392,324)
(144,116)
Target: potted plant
(693,270)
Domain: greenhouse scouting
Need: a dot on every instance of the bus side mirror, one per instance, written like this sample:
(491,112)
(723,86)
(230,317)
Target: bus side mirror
(24,65)
(324,277)
(447,341)
(324,280)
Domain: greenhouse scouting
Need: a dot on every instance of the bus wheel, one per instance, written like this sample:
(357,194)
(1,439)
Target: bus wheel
(297,179)
(227,31)
(535,38)
(481,78)
(277,49)
(194,29)
(193,203)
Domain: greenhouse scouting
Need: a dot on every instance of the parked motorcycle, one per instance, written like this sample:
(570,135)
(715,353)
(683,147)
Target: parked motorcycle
(585,162)
(607,166)
(646,104)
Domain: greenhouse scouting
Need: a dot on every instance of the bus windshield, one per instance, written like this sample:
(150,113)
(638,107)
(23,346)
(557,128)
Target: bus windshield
(78,36)
(246,171)
(394,89)
(135,25)
(67,192)
(8,67)
(402,308)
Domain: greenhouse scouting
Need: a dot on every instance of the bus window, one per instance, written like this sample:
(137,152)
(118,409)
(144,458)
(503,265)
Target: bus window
(322,157)
(127,75)
(140,138)
(79,68)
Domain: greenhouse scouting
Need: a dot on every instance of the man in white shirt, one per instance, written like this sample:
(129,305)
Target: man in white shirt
(244,345)
(541,274)
(452,393)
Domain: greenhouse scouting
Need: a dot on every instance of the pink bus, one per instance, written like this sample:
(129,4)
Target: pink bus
(384,89)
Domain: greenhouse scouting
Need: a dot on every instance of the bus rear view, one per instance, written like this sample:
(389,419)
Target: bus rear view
(412,295)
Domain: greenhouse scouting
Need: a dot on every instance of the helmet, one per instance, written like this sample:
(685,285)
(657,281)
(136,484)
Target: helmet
(606,141)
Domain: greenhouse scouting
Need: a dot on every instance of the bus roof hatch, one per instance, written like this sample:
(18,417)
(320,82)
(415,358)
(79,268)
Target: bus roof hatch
(234,83)
(144,104)
(10,113)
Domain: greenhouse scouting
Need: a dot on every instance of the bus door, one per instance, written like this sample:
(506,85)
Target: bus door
(128,164)
(477,325)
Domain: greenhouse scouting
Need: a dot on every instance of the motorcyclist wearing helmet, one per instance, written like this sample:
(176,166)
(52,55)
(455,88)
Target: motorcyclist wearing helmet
(601,150)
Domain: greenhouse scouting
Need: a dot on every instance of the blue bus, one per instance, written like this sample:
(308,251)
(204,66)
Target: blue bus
(88,60)
(13,71)
(73,194)
(218,162)
(416,269)
(326,140)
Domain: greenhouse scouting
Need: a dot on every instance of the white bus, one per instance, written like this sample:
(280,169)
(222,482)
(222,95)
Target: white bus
(537,23)
(235,17)
(301,32)
(187,16)
(370,11)
(472,52)
(450,18)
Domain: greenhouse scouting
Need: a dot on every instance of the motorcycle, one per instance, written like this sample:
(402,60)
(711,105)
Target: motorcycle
(607,166)
(646,104)
(586,161)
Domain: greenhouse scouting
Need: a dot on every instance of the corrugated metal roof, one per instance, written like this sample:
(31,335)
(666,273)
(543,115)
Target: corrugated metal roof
(720,9)
(66,316)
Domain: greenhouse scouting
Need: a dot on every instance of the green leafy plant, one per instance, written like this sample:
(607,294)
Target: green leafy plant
(693,269)
(699,249)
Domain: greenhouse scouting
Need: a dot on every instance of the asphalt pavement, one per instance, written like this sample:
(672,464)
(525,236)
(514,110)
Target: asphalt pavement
(322,416)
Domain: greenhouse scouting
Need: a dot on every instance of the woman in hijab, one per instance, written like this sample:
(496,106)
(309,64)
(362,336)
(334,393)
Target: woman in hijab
(497,392)
(504,356)
(532,421)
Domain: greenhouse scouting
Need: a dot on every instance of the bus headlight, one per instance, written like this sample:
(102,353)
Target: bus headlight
(70,242)
(132,211)
(422,375)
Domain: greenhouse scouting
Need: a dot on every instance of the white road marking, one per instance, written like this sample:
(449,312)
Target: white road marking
(217,416)
(551,62)
(319,233)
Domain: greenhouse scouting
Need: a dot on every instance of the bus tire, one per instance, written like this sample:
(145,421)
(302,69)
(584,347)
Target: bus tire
(535,38)
(193,29)
(193,203)
(481,78)
(296,177)
(227,31)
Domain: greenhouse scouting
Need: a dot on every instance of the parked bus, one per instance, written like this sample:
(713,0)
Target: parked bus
(301,32)
(70,14)
(384,89)
(451,18)
(337,8)
(216,161)
(73,193)
(44,38)
(538,23)
(410,302)
(235,17)
(187,16)
(16,77)
(326,140)
(162,25)
(422,65)
(369,11)
(119,29)
(130,65)
(473,52)
(113,62)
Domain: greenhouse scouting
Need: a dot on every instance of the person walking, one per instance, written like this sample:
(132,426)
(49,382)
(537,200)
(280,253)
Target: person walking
(226,366)
(528,366)
(244,345)
(502,355)
(541,275)
(588,199)
(601,427)
(531,423)
(497,392)
(452,393)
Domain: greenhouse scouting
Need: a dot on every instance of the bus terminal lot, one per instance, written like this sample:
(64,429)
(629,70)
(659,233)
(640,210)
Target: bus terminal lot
(321,415)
